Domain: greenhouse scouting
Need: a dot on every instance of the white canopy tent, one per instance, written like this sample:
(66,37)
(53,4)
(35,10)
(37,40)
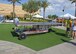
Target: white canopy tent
(66,16)
(38,16)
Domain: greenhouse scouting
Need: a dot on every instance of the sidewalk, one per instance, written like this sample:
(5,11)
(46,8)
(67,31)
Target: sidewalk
(65,48)
(13,48)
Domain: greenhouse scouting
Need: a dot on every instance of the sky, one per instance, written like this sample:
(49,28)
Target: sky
(55,7)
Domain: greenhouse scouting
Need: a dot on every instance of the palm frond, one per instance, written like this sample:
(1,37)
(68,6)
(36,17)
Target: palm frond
(13,1)
(72,1)
(19,1)
(45,3)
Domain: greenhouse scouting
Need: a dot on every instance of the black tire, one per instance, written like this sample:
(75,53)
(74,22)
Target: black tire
(49,30)
(22,36)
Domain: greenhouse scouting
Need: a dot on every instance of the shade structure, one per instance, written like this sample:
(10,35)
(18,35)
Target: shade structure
(67,16)
(38,16)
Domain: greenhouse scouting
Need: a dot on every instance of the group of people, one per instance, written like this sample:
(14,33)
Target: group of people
(71,28)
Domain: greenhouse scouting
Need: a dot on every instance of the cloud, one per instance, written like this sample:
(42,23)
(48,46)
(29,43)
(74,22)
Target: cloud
(50,9)
(60,1)
(57,7)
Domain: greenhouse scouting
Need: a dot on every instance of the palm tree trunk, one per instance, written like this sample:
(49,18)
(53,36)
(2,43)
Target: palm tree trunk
(44,13)
(30,16)
(13,9)
(75,9)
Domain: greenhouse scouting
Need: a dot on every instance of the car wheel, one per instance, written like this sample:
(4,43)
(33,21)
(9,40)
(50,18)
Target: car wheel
(22,36)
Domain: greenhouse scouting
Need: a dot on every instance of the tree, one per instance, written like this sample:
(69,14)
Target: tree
(54,16)
(44,4)
(49,16)
(13,2)
(74,1)
(31,6)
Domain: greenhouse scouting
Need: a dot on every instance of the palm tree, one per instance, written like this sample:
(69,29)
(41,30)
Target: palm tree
(44,4)
(74,1)
(13,2)
(31,6)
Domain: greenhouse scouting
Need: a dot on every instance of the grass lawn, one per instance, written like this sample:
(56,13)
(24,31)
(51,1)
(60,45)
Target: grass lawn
(35,42)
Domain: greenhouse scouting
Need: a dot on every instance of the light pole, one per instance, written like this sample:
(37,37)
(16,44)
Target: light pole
(63,15)
(74,13)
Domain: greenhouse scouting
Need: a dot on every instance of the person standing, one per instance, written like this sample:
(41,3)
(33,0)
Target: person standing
(68,27)
(74,29)
(16,22)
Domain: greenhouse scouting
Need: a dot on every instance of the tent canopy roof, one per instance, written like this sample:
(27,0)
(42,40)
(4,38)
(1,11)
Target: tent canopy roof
(38,16)
(66,16)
